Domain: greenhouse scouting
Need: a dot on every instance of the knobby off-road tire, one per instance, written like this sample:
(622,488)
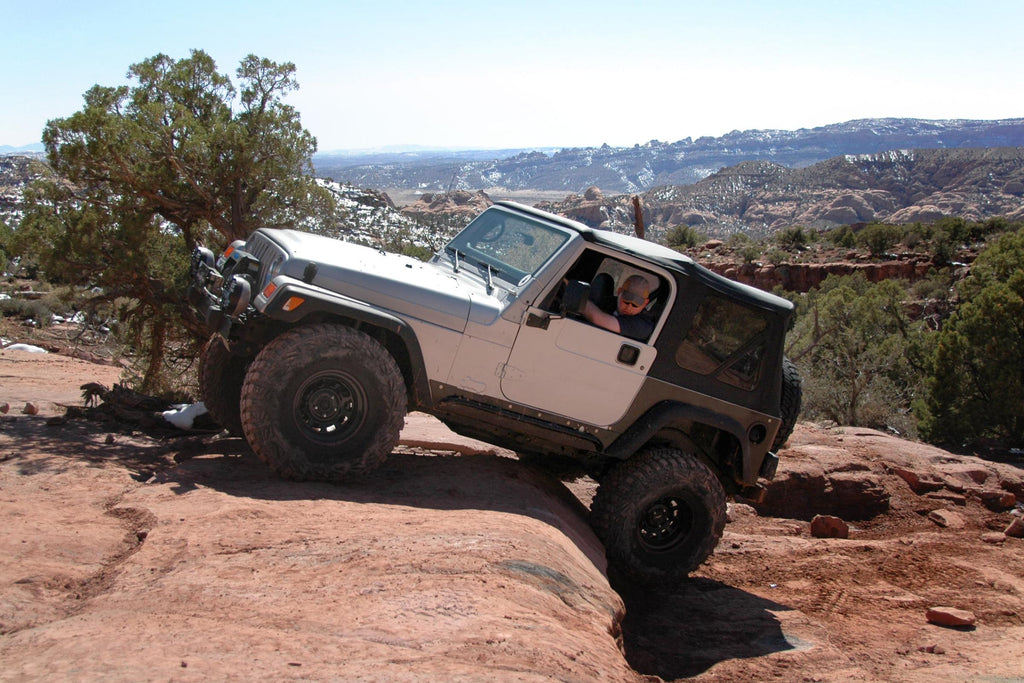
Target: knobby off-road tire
(220,384)
(790,403)
(323,403)
(660,514)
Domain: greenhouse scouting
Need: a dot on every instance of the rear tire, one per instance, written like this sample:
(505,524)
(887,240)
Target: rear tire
(323,403)
(221,375)
(790,403)
(660,514)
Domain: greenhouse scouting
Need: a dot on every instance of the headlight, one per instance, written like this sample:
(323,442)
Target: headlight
(236,296)
(202,262)
(272,272)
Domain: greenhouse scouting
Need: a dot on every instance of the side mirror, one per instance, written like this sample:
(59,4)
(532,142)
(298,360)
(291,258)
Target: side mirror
(575,298)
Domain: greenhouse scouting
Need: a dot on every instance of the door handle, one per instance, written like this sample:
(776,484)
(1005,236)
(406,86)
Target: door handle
(628,354)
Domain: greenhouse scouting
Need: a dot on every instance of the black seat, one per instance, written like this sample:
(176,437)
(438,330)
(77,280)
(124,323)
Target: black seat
(602,292)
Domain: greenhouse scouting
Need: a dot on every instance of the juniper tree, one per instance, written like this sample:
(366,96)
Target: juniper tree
(146,171)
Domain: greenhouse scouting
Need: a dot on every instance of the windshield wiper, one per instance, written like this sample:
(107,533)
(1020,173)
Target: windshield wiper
(490,279)
(455,257)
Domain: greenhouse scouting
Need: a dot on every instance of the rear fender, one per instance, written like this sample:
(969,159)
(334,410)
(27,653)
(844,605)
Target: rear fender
(666,414)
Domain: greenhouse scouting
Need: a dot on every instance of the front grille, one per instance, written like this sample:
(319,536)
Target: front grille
(266,252)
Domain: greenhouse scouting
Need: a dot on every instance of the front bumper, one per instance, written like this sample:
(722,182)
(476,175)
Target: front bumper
(220,291)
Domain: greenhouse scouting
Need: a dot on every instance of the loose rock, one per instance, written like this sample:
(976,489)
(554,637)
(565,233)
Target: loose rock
(950,616)
(994,537)
(827,526)
(996,500)
(947,519)
(30,409)
(1016,528)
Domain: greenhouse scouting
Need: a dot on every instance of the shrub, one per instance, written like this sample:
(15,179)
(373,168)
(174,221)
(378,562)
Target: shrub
(737,240)
(879,238)
(684,237)
(975,387)
(856,349)
(751,252)
(842,237)
(791,239)
(776,256)
(36,310)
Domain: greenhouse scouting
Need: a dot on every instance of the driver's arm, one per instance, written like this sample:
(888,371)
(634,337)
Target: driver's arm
(596,316)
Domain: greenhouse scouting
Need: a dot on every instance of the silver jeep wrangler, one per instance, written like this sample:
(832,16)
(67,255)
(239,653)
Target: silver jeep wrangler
(319,348)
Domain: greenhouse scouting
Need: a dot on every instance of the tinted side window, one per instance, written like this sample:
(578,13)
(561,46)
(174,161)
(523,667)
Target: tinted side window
(725,339)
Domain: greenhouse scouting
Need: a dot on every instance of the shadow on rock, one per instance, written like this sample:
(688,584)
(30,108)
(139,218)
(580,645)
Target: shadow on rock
(687,630)
(41,446)
(421,480)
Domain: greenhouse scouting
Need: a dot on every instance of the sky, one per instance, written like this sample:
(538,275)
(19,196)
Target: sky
(490,74)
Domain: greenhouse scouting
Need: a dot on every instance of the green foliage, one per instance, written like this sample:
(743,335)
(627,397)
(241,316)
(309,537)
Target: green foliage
(791,239)
(856,349)
(915,235)
(975,390)
(35,310)
(5,239)
(950,234)
(842,237)
(684,237)
(879,238)
(737,240)
(750,252)
(937,285)
(776,256)
(149,171)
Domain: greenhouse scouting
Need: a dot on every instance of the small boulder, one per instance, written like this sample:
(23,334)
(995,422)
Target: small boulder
(826,526)
(994,537)
(996,500)
(1016,528)
(947,519)
(30,409)
(5,407)
(919,482)
(733,511)
(950,616)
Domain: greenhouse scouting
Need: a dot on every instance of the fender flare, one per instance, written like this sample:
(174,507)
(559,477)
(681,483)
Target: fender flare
(664,414)
(316,300)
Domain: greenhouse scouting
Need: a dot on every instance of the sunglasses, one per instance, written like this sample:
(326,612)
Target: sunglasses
(634,299)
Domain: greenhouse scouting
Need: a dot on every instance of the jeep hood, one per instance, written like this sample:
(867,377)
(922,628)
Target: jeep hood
(390,281)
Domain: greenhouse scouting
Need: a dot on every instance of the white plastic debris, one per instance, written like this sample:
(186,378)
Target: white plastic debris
(182,416)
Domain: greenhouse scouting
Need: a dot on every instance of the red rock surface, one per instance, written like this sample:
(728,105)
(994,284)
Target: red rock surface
(130,556)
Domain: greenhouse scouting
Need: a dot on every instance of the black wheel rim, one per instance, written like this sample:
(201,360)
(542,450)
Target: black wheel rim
(330,406)
(664,524)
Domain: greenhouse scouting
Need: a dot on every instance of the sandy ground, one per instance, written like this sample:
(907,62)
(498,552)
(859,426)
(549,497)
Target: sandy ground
(132,554)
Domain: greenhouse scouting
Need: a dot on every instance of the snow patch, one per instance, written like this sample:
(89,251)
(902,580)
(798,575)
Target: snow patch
(27,348)
(182,416)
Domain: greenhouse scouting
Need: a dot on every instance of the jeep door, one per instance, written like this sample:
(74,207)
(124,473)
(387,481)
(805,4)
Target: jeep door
(569,367)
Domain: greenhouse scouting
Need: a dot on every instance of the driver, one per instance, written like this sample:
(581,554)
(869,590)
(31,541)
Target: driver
(630,317)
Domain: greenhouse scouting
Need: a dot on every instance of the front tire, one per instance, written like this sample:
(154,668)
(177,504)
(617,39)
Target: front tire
(660,514)
(221,375)
(323,403)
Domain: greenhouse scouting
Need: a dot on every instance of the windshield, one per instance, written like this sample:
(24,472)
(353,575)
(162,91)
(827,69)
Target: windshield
(506,245)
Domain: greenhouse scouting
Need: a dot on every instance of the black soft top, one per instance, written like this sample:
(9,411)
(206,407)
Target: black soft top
(661,255)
